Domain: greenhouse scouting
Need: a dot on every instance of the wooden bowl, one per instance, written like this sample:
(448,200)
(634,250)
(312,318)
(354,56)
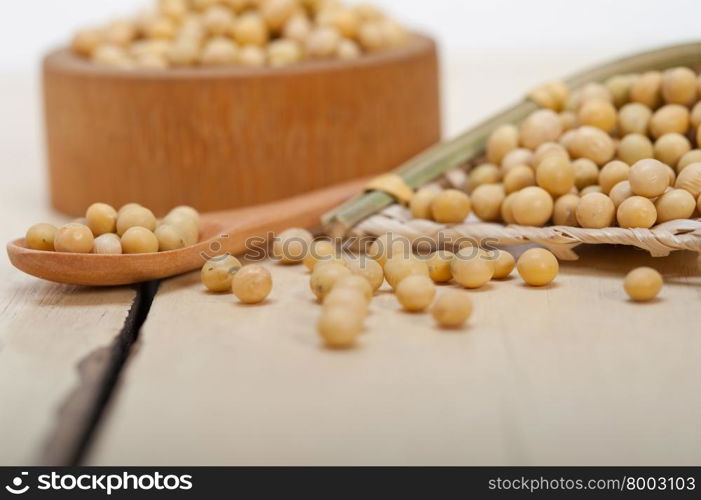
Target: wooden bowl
(219,138)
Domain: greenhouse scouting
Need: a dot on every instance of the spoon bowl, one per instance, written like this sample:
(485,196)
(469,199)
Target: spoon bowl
(231,231)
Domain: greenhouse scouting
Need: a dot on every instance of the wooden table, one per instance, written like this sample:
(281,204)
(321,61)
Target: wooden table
(572,374)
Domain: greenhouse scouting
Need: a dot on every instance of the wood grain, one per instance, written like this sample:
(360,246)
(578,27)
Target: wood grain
(574,374)
(46,330)
(219,138)
(223,232)
(570,374)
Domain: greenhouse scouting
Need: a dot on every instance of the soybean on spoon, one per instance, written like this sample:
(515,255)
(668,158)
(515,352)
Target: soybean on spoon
(220,232)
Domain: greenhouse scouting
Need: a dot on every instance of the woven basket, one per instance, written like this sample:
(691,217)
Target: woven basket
(659,241)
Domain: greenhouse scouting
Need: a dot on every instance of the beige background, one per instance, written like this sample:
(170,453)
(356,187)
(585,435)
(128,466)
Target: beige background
(572,374)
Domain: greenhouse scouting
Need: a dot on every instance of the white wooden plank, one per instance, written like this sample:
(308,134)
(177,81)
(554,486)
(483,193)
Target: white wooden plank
(571,374)
(46,330)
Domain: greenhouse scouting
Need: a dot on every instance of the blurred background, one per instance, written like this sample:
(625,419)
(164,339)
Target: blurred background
(493,51)
(30,26)
(503,40)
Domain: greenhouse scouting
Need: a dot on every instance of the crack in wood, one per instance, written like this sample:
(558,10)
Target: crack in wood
(80,414)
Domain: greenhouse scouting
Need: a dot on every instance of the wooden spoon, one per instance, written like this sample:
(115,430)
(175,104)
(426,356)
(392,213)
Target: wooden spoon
(220,232)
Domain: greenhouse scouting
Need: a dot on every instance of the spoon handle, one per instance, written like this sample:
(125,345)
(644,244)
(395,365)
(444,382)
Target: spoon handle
(255,224)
